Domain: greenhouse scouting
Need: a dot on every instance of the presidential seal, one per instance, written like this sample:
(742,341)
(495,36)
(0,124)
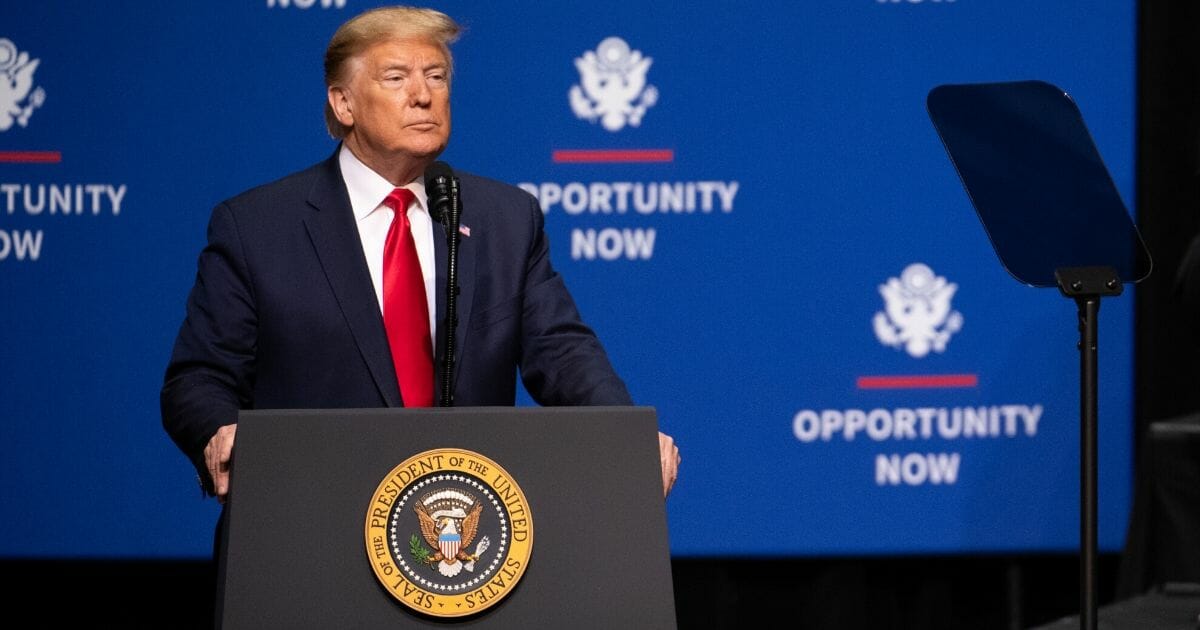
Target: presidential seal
(449,533)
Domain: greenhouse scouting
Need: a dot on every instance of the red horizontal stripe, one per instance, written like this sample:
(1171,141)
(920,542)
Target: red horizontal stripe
(33,157)
(918,381)
(613,155)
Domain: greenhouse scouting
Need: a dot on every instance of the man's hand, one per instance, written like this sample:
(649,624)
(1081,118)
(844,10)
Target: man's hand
(668,455)
(218,454)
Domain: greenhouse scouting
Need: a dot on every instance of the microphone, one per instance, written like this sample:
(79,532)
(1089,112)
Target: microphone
(445,207)
(438,184)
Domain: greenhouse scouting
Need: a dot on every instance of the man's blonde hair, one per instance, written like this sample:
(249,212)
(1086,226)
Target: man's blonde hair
(380,25)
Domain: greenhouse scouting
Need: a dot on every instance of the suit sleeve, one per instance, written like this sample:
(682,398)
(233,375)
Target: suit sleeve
(562,360)
(211,371)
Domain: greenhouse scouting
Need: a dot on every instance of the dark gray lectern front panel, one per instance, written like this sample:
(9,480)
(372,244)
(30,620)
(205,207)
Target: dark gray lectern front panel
(303,482)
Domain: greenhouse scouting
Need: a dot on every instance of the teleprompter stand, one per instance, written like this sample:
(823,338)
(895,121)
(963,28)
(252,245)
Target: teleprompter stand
(1087,285)
(1055,219)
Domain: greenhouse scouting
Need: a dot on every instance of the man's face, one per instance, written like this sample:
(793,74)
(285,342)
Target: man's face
(398,102)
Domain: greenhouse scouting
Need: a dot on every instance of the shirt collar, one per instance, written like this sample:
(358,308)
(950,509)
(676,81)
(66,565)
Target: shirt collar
(368,189)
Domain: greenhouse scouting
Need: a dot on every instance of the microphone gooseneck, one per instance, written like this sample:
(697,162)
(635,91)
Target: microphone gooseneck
(445,207)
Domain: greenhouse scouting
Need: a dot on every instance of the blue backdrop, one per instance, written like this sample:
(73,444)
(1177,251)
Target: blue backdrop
(746,228)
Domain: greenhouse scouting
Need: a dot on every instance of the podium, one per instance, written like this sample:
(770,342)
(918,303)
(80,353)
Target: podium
(577,535)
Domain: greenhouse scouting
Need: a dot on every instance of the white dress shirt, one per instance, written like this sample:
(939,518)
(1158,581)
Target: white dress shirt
(367,191)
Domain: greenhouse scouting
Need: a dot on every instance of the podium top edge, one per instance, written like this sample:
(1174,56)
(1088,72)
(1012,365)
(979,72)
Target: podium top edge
(491,410)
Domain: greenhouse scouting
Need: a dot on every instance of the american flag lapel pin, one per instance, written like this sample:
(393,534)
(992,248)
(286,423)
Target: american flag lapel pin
(464,230)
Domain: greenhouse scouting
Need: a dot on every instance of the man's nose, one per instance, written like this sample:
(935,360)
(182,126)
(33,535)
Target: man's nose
(419,93)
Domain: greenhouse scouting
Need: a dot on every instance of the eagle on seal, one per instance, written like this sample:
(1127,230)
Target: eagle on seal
(450,532)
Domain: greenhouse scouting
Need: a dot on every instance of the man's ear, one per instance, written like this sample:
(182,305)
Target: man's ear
(339,101)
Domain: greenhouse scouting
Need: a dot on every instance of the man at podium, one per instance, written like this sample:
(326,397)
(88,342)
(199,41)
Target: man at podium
(320,290)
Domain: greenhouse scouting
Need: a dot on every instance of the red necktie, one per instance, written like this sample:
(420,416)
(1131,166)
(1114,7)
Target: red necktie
(405,308)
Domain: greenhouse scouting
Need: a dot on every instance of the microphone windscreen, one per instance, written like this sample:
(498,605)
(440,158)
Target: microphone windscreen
(438,178)
(437,170)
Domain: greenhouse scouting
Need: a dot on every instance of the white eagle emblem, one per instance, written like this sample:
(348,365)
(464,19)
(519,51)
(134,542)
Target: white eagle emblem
(612,78)
(16,81)
(449,521)
(918,313)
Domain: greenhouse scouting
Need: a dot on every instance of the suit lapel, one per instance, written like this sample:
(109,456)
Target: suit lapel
(336,240)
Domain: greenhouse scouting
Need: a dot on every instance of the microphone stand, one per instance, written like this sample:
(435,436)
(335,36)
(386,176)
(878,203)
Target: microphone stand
(446,338)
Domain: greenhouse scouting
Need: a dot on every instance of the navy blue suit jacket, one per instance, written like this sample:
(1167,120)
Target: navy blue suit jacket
(283,314)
